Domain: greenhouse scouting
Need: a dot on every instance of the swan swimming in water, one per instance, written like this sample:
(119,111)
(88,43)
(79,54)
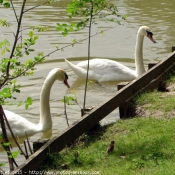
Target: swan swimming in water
(107,70)
(20,125)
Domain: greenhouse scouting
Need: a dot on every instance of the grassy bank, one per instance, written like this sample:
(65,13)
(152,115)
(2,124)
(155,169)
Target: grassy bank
(144,145)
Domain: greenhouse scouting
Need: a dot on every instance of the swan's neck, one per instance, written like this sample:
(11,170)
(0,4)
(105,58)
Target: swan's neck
(139,55)
(45,116)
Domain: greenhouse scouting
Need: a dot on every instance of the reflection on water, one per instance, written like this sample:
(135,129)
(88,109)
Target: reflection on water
(117,44)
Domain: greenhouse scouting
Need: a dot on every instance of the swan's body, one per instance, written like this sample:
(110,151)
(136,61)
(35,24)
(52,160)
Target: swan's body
(21,125)
(108,70)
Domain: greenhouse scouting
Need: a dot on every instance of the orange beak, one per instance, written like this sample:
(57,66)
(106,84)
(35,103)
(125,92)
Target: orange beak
(151,38)
(66,83)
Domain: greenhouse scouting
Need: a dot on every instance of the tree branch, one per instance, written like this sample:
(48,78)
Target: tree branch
(15,42)
(89,42)
(13,136)
(2,172)
(35,7)
(14,11)
(21,73)
(5,139)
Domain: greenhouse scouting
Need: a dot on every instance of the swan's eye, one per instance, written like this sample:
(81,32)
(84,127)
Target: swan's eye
(149,33)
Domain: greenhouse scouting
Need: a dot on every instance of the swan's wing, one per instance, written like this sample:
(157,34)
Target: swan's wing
(108,70)
(80,72)
(19,124)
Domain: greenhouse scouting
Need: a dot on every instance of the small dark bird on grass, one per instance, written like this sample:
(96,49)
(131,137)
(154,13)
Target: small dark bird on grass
(110,147)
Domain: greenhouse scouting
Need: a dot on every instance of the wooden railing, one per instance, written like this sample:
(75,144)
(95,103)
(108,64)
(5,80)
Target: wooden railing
(149,80)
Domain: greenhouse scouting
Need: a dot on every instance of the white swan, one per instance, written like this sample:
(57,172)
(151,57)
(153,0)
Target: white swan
(20,125)
(108,70)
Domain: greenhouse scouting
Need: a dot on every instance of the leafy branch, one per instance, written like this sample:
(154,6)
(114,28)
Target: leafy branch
(11,68)
(90,11)
(46,2)
(102,10)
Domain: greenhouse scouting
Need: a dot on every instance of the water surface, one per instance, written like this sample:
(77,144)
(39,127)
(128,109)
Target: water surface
(118,44)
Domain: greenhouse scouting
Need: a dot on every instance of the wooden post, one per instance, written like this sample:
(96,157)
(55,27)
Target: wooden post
(123,107)
(173,48)
(121,85)
(39,143)
(124,110)
(150,65)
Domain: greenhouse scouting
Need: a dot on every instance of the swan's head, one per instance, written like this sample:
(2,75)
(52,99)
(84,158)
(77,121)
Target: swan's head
(145,31)
(62,76)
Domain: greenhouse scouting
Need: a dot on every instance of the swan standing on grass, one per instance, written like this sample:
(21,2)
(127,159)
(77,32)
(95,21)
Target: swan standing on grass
(20,125)
(108,70)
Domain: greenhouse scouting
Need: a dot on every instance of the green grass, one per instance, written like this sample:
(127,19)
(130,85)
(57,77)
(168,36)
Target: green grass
(144,145)
(156,104)
(157,100)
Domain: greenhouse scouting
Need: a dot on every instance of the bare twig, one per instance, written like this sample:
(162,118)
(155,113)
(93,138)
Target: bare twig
(89,41)
(2,172)
(35,7)
(10,156)
(28,143)
(24,29)
(14,45)
(13,136)
(21,36)
(14,10)
(5,138)
(47,55)
(27,155)
(66,111)
(62,48)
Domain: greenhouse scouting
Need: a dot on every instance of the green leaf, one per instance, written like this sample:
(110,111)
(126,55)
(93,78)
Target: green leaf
(14,154)
(25,43)
(69,100)
(27,53)
(18,49)
(6,143)
(17,90)
(13,81)
(111,20)
(20,104)
(119,22)
(5,93)
(36,37)
(31,50)
(17,63)
(74,41)
(28,102)
(2,164)
(71,29)
(7,49)
(6,4)
(65,32)
(124,16)
(36,58)
(3,52)
(102,32)
(65,25)
(31,33)
(57,46)
(11,66)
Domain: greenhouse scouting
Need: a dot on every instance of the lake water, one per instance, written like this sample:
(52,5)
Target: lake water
(118,44)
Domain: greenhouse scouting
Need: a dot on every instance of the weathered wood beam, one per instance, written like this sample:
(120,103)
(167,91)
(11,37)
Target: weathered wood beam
(147,80)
